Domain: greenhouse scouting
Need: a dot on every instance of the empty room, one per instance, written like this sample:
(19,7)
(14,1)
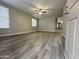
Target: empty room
(39,29)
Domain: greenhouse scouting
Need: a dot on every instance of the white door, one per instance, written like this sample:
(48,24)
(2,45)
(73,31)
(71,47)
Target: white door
(70,41)
(76,55)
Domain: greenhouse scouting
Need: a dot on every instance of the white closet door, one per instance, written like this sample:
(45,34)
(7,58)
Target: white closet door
(70,43)
(77,40)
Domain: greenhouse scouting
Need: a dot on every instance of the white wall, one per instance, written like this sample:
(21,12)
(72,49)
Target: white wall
(47,24)
(19,22)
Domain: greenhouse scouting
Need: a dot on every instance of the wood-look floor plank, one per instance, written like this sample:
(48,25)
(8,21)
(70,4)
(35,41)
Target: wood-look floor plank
(39,45)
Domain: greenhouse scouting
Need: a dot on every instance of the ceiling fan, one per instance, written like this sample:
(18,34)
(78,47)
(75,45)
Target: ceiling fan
(40,11)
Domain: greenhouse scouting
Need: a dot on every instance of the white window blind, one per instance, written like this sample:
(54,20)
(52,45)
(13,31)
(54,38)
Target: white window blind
(4,17)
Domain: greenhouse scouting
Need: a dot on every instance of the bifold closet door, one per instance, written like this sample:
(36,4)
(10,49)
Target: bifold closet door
(76,55)
(70,41)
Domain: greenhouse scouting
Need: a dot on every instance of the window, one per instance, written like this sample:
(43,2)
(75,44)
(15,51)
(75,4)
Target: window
(4,17)
(34,22)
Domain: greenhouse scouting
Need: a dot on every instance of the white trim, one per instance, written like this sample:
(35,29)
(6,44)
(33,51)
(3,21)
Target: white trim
(74,38)
(16,33)
(46,31)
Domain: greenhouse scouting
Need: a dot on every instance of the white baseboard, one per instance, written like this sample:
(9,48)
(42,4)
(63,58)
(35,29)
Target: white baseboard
(45,31)
(16,33)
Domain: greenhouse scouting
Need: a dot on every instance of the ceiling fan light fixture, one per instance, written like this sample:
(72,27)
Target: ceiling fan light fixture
(40,11)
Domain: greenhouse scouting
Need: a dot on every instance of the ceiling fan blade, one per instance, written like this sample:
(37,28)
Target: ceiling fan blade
(44,11)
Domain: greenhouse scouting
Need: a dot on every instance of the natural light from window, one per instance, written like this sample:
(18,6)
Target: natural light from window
(34,22)
(4,17)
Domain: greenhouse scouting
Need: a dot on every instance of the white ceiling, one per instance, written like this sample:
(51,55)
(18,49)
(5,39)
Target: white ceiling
(54,7)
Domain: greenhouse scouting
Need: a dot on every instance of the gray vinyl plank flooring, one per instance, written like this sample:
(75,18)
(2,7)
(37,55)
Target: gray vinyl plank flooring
(39,45)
